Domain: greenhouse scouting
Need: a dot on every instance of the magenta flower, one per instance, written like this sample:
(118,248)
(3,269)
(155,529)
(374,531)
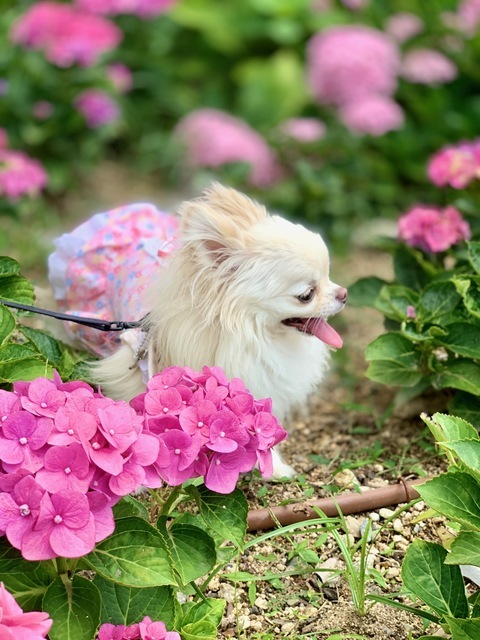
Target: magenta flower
(120,76)
(348,63)
(183,450)
(21,439)
(111,632)
(156,631)
(428,66)
(65,527)
(304,130)
(469,16)
(65,467)
(17,625)
(97,107)
(195,420)
(455,165)
(20,175)
(9,402)
(213,138)
(225,468)
(433,229)
(411,312)
(141,8)
(145,630)
(19,510)
(66,34)
(374,115)
(226,432)
(404,26)
(43,398)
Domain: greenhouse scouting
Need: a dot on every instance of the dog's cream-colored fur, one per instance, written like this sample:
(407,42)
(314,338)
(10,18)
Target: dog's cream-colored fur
(223,296)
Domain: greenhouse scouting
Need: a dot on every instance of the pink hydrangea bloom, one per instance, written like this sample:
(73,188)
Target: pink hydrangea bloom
(66,34)
(145,630)
(433,229)
(303,130)
(428,66)
(120,76)
(455,165)
(97,107)
(213,138)
(142,8)
(347,63)
(404,26)
(17,625)
(374,115)
(20,175)
(468,15)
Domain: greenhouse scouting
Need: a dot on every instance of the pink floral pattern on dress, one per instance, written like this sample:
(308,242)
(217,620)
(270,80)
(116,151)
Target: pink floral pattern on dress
(102,268)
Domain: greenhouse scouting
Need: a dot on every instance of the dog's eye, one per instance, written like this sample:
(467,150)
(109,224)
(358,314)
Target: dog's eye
(308,296)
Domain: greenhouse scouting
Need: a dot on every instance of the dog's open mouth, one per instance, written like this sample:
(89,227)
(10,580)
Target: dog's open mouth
(317,327)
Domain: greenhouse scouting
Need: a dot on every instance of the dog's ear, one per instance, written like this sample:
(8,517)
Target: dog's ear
(218,221)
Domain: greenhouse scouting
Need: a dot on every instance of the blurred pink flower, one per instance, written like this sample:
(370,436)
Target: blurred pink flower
(42,109)
(3,138)
(303,129)
(97,107)
(403,26)
(428,66)
(20,175)
(213,138)
(16,625)
(433,229)
(468,16)
(355,5)
(347,63)
(120,76)
(455,165)
(374,115)
(66,34)
(141,8)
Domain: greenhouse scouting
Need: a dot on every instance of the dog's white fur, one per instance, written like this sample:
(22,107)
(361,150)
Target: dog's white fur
(222,298)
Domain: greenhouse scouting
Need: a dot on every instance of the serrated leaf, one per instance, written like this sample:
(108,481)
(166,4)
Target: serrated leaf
(192,550)
(455,495)
(467,451)
(392,373)
(364,292)
(126,605)
(224,514)
(7,324)
(26,369)
(210,609)
(201,630)
(47,346)
(459,374)
(465,549)
(8,266)
(466,406)
(16,288)
(446,428)
(437,300)
(135,555)
(462,629)
(438,585)
(394,300)
(474,255)
(76,613)
(27,581)
(129,506)
(463,339)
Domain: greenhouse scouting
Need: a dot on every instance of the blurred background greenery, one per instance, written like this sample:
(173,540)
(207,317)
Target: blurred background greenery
(248,58)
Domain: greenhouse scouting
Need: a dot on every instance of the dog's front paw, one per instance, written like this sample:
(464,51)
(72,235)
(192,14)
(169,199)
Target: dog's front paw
(280,468)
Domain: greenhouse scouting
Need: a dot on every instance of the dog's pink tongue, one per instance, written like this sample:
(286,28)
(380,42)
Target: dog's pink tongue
(323,331)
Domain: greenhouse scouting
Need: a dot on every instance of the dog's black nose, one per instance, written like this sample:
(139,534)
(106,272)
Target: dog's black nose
(341,294)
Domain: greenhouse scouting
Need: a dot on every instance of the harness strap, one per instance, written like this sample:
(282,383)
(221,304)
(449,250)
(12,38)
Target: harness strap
(94,323)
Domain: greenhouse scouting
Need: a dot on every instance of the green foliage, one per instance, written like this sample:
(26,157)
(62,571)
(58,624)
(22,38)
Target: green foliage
(433,317)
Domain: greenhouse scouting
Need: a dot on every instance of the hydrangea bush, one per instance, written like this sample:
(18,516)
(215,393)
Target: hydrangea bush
(432,306)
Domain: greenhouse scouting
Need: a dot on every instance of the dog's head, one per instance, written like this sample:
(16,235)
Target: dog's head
(260,268)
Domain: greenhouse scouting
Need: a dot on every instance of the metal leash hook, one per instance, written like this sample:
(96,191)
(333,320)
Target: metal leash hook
(94,323)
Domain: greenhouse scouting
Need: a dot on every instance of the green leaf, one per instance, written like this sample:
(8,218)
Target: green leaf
(192,549)
(201,630)
(27,581)
(459,374)
(462,338)
(224,514)
(25,369)
(474,255)
(47,346)
(135,555)
(8,266)
(364,292)
(392,373)
(464,629)
(465,549)
(466,406)
(393,301)
(393,360)
(16,288)
(7,324)
(129,506)
(438,585)
(455,495)
(411,268)
(467,452)
(125,605)
(210,609)
(449,428)
(75,611)
(437,300)
(468,288)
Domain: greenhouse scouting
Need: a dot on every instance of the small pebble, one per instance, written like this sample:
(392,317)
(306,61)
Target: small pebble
(398,525)
(261,603)
(385,513)
(288,626)
(345,479)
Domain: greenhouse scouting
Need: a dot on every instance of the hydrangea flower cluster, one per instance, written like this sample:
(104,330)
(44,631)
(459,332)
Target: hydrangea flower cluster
(433,229)
(303,130)
(145,630)
(428,66)
(403,26)
(19,174)
(65,33)
(141,8)
(17,625)
(207,426)
(67,454)
(213,138)
(455,165)
(97,107)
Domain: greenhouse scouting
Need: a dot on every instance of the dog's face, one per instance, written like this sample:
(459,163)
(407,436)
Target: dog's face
(264,269)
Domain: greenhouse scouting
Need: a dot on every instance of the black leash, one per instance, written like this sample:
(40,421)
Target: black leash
(94,323)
